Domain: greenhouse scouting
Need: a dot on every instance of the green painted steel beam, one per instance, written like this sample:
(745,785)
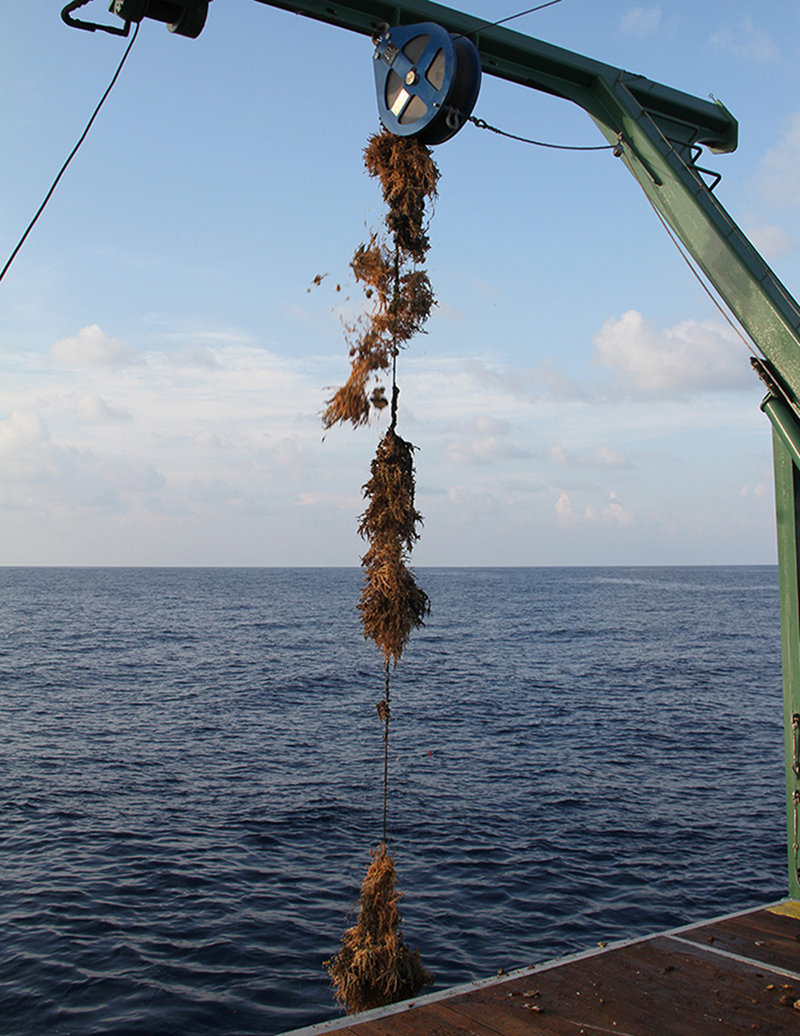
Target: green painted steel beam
(658,127)
(784,424)
(657,130)
(787,504)
(786,451)
(535,64)
(752,292)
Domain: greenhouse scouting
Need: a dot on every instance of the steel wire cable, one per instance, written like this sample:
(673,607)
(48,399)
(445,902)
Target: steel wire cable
(72,154)
(483,124)
(510,18)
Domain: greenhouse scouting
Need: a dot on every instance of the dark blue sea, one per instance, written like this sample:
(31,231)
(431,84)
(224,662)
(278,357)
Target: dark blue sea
(191,779)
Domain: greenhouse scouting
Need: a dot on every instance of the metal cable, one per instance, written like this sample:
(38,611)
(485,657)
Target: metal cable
(482,124)
(71,155)
(510,18)
(695,271)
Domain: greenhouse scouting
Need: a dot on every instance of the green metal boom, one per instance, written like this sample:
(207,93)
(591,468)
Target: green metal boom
(661,132)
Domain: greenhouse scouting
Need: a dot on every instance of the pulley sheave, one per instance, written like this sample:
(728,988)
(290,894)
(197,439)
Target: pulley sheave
(427,81)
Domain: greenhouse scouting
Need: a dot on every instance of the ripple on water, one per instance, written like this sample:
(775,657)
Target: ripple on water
(192,769)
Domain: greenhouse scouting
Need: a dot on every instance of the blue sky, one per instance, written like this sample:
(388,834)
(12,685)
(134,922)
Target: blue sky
(576,400)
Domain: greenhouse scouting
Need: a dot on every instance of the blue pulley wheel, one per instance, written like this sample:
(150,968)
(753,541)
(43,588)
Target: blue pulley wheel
(427,81)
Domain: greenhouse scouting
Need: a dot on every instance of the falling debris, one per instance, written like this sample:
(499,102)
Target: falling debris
(316,281)
(378,397)
(374,967)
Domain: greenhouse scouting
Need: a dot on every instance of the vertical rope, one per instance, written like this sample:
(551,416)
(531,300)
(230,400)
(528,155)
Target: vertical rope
(386,718)
(395,305)
(392,425)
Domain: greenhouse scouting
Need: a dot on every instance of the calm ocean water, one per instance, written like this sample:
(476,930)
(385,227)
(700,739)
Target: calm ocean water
(191,765)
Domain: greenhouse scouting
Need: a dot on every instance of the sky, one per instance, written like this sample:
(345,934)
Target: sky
(165,354)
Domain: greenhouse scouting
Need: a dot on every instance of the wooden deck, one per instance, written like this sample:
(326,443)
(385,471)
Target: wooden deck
(737,974)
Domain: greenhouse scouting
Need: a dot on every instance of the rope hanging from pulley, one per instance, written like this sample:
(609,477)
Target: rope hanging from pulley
(427,84)
(374,967)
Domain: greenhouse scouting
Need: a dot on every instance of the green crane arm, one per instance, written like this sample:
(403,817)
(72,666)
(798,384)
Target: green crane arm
(659,133)
(660,130)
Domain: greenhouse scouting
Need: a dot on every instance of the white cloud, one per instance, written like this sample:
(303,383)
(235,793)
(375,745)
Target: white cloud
(543,380)
(779,170)
(195,356)
(641,21)
(234,435)
(612,513)
(209,337)
(479,500)
(745,40)
(340,501)
(608,458)
(483,449)
(207,440)
(215,491)
(49,479)
(597,456)
(22,430)
(484,441)
(758,490)
(95,410)
(615,512)
(91,347)
(290,452)
(218,454)
(565,514)
(690,357)
(485,425)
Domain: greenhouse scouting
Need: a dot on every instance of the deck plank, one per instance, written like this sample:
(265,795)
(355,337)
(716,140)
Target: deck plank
(689,993)
(442,1018)
(713,979)
(764,935)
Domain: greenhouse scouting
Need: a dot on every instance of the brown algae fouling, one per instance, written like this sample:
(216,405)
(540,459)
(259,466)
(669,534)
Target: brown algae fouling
(374,967)
(409,178)
(400,292)
(392,605)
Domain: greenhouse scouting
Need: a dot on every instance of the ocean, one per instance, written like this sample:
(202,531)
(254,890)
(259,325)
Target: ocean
(191,768)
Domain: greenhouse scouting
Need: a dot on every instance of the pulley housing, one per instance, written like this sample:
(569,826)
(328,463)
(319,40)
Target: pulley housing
(427,81)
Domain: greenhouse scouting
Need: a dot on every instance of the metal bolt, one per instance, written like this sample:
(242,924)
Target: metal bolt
(411,77)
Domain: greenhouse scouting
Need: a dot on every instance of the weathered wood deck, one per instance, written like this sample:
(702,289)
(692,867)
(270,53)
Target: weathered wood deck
(737,974)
